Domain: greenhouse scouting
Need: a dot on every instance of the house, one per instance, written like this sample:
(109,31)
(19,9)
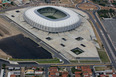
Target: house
(0,1)
(64,74)
(53,69)
(104,71)
(78,74)
(114,75)
(38,72)
(10,68)
(34,68)
(86,74)
(13,75)
(17,68)
(86,69)
(30,71)
(53,72)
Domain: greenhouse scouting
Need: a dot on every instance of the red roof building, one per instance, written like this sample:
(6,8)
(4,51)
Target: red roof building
(53,72)
(86,69)
(78,67)
(0,1)
(103,75)
(86,74)
(78,74)
(12,75)
(64,74)
(114,75)
(53,69)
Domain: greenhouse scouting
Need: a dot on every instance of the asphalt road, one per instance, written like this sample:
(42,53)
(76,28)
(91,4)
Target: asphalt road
(103,35)
(26,64)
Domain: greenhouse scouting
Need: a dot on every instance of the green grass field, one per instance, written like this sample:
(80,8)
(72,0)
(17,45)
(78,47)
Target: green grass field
(103,55)
(51,17)
(55,60)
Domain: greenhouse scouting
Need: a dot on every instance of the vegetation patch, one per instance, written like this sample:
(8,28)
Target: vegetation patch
(49,61)
(51,17)
(103,56)
(73,61)
(101,2)
(100,68)
(77,51)
(55,60)
(107,13)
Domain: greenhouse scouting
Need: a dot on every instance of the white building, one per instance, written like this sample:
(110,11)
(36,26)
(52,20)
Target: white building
(52,18)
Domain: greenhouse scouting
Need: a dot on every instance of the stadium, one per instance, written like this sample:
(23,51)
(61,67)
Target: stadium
(52,18)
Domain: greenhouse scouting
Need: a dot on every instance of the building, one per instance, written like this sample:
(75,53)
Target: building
(13,75)
(30,71)
(5,1)
(83,71)
(114,75)
(52,18)
(104,71)
(38,72)
(86,74)
(78,74)
(0,1)
(53,72)
(64,74)
(86,70)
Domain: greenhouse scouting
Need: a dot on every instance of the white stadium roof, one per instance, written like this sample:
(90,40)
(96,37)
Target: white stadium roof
(34,18)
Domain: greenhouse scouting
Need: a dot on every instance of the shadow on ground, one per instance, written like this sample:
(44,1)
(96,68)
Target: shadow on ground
(21,47)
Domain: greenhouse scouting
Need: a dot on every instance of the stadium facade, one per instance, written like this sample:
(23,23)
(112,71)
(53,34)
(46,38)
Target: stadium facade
(52,18)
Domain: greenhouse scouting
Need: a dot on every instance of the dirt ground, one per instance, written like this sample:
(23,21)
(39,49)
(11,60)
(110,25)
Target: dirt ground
(4,55)
(6,30)
(88,6)
(16,44)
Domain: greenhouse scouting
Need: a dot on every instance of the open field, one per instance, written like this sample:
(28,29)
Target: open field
(102,68)
(55,60)
(87,6)
(6,30)
(103,55)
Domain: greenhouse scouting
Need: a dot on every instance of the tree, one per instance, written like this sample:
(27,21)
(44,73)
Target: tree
(12,3)
(3,66)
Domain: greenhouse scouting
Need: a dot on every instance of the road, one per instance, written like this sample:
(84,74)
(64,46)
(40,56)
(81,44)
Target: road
(22,6)
(103,34)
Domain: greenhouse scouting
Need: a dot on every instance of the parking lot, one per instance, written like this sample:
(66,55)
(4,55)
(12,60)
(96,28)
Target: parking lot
(110,25)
